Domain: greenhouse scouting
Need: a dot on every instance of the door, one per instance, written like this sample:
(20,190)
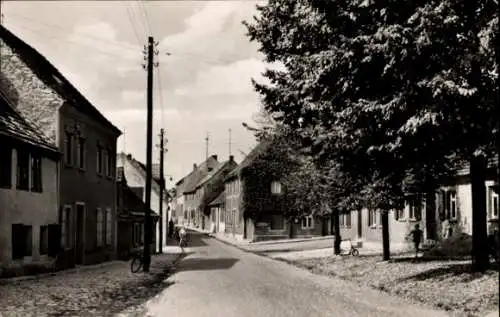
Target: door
(80,232)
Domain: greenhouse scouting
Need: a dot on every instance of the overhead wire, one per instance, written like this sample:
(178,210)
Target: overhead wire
(65,30)
(116,55)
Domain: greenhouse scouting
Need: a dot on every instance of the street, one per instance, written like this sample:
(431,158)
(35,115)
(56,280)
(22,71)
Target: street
(215,279)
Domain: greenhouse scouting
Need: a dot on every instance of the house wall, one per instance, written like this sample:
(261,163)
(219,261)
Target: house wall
(31,97)
(100,190)
(136,179)
(28,208)
(234,223)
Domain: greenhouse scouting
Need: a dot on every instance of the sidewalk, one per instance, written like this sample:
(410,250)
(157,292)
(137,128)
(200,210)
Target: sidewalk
(96,291)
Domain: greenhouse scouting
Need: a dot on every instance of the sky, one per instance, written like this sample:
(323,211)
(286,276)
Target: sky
(202,84)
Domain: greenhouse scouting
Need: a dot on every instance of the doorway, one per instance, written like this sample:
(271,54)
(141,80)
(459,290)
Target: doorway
(80,233)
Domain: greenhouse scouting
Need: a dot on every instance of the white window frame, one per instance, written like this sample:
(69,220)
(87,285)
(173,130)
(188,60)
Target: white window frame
(372,213)
(276,187)
(309,222)
(453,202)
(494,196)
(99,227)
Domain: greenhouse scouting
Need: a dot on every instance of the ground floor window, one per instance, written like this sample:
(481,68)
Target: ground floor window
(99,227)
(345,220)
(307,222)
(22,241)
(109,227)
(372,218)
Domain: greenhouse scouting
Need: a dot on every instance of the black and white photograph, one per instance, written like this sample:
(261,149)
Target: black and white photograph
(243,158)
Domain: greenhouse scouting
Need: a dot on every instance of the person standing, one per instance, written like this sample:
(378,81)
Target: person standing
(417,235)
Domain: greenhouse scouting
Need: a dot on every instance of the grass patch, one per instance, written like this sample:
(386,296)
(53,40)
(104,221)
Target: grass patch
(446,284)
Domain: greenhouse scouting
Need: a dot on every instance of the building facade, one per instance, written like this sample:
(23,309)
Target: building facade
(87,191)
(29,214)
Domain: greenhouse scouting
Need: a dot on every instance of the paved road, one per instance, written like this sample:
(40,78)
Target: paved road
(216,280)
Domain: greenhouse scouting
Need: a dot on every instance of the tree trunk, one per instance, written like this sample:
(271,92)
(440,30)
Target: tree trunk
(338,238)
(385,235)
(290,229)
(480,257)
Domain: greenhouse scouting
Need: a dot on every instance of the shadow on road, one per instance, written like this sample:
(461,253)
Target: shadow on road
(199,264)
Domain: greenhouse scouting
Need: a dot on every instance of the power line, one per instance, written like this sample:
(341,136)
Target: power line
(131,19)
(145,13)
(71,41)
(65,30)
(160,95)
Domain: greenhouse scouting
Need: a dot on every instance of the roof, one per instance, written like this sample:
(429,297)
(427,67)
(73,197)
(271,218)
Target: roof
(49,74)
(192,180)
(141,167)
(218,200)
(250,158)
(15,126)
(131,202)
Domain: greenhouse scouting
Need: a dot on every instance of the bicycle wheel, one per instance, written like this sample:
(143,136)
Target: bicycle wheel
(354,252)
(136,264)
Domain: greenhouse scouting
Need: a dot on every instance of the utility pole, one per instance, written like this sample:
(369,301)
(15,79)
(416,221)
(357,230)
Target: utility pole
(162,186)
(207,140)
(229,142)
(148,223)
(1,13)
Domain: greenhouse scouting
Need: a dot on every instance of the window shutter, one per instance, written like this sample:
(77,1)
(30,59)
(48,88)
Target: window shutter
(54,238)
(18,243)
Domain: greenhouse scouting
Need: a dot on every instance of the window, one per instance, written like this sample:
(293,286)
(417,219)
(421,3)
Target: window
(66,227)
(276,187)
(36,173)
(494,204)
(99,160)
(307,222)
(414,204)
(399,214)
(99,227)
(23,168)
(44,239)
(22,241)
(372,218)
(68,149)
(81,153)
(452,205)
(6,167)
(347,217)
(109,164)
(109,226)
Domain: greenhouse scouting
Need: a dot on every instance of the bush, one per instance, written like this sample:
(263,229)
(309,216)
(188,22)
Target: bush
(458,245)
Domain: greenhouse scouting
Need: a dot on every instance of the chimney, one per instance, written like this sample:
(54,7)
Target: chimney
(231,158)
(214,157)
(194,166)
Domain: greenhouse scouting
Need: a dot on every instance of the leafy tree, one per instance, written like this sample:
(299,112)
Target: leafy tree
(399,89)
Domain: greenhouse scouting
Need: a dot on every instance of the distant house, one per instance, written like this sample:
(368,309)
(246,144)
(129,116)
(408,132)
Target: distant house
(248,194)
(135,173)
(87,190)
(209,188)
(217,213)
(446,212)
(131,216)
(29,216)
(187,199)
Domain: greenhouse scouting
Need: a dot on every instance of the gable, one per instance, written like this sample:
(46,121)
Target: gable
(34,77)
